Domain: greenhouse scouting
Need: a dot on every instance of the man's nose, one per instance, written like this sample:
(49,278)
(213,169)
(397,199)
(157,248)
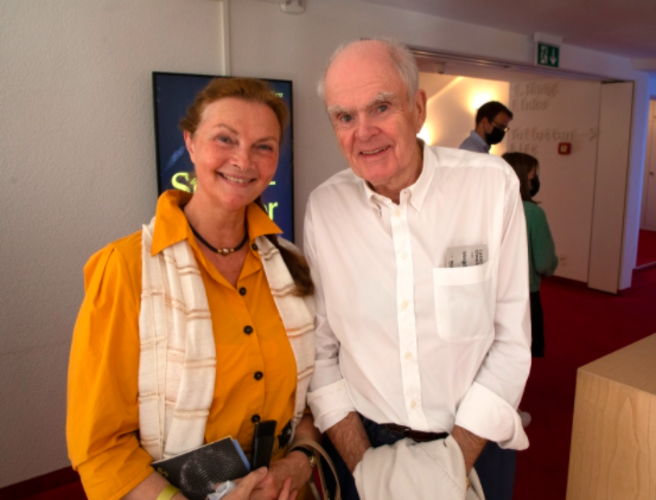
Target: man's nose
(365,127)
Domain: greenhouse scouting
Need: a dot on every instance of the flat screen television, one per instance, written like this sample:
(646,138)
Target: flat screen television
(173,93)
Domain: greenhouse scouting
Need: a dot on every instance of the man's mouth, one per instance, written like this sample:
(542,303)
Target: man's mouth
(374,151)
(234,179)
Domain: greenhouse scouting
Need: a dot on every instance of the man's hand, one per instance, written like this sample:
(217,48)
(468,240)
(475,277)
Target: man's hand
(246,485)
(294,469)
(470,444)
(350,439)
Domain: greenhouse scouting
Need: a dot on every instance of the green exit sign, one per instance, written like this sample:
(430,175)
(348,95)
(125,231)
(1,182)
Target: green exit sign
(548,55)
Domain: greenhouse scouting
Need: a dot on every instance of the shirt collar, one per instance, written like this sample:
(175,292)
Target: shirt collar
(478,139)
(416,193)
(171,225)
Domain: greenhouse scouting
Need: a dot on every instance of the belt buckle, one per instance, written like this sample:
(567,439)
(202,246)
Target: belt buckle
(406,432)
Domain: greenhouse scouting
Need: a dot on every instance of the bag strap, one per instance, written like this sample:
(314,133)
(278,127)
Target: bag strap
(318,453)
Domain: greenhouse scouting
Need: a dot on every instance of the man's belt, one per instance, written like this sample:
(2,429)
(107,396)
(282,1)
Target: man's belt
(418,436)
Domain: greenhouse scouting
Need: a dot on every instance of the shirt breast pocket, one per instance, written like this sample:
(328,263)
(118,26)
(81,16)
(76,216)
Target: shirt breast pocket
(463,302)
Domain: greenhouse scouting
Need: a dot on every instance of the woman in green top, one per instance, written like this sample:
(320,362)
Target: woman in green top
(542,259)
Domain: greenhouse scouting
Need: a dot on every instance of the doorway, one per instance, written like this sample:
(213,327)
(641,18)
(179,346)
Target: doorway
(583,192)
(647,239)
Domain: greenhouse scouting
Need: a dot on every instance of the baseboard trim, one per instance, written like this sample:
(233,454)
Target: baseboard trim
(644,267)
(39,484)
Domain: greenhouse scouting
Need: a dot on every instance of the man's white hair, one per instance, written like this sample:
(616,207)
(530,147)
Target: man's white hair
(401,57)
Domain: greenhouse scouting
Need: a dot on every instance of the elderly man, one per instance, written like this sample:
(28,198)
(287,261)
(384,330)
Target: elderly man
(419,259)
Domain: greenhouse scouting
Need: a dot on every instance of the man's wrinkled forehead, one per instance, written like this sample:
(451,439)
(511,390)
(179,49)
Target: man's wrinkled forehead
(361,67)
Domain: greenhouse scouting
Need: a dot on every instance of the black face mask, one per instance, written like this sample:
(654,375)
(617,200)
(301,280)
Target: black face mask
(535,186)
(494,137)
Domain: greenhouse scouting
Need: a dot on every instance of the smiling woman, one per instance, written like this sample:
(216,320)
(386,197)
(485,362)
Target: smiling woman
(234,150)
(188,291)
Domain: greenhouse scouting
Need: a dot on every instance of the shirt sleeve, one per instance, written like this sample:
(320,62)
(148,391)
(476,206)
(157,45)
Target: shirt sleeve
(489,408)
(545,260)
(328,397)
(102,414)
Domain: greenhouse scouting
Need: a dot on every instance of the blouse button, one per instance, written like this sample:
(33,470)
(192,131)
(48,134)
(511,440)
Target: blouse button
(259,375)
(254,246)
(248,330)
(255,418)
(242,291)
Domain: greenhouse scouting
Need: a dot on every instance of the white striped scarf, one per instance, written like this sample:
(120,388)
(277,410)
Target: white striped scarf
(177,363)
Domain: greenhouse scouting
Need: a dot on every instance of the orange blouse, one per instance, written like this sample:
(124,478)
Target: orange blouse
(256,370)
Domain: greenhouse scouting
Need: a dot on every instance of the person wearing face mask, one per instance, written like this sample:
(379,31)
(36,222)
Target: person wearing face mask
(492,120)
(542,259)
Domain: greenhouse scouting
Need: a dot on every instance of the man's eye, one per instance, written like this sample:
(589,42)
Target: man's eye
(382,108)
(345,118)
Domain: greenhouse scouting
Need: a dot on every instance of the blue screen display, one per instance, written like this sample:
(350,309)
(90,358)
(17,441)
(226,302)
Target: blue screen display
(173,94)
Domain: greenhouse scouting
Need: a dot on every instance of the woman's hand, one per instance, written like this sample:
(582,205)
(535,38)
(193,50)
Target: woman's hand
(246,485)
(294,470)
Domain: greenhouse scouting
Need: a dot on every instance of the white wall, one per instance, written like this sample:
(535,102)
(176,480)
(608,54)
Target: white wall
(78,168)
(267,42)
(652,85)
(452,105)
(635,178)
(547,112)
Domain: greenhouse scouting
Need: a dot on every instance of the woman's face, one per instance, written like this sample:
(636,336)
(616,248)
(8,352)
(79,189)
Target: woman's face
(235,151)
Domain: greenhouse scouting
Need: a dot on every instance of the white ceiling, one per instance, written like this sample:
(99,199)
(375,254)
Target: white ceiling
(623,27)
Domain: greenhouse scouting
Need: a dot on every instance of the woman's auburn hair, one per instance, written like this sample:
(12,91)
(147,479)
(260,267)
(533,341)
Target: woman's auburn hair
(253,90)
(522,164)
(247,89)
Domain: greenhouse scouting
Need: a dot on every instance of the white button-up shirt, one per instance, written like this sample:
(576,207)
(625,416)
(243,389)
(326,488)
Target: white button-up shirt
(400,337)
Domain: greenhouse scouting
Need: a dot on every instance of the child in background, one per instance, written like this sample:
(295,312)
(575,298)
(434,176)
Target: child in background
(542,259)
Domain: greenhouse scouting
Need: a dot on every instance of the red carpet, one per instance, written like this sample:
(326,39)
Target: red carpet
(581,325)
(646,247)
(72,491)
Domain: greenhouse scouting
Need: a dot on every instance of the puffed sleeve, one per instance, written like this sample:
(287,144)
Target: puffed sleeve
(102,408)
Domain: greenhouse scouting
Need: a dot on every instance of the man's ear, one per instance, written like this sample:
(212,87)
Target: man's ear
(482,125)
(420,109)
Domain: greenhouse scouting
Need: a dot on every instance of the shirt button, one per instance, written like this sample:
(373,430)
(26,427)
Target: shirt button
(404,304)
(408,355)
(248,330)
(254,246)
(404,255)
(412,404)
(258,375)
(397,213)
(242,291)
(255,418)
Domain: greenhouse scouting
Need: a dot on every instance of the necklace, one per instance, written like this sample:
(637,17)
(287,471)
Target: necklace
(223,251)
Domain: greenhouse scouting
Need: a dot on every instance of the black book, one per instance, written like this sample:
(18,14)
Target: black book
(198,471)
